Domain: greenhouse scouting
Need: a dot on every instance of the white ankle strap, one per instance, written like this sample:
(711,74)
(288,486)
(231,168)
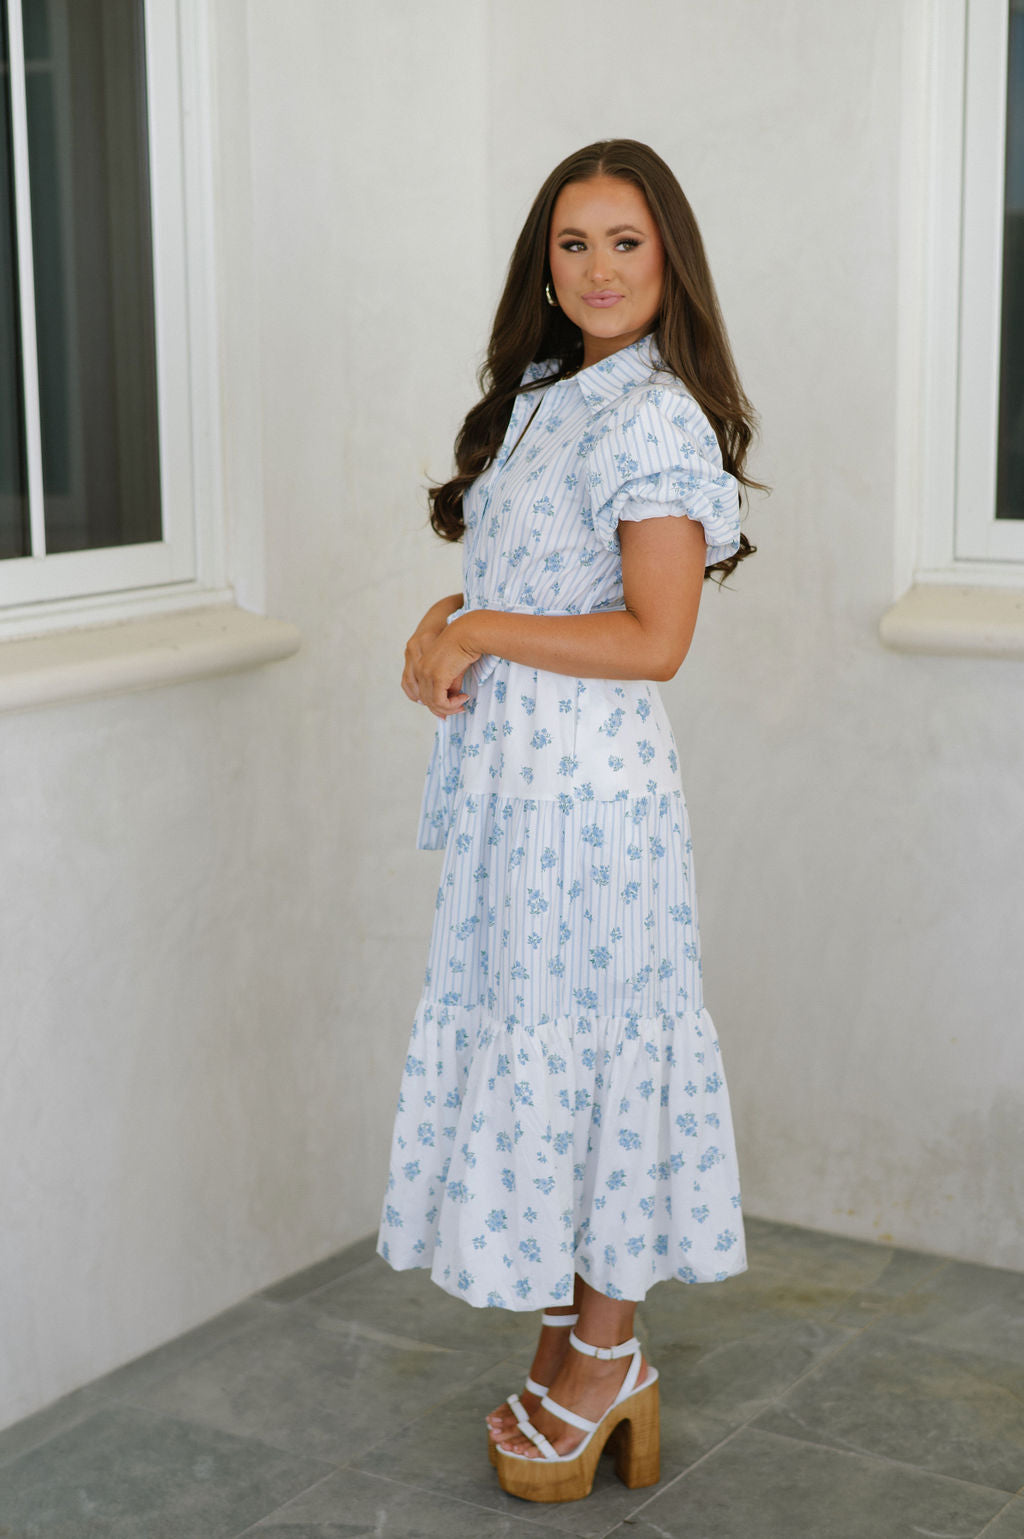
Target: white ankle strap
(547,1319)
(624,1349)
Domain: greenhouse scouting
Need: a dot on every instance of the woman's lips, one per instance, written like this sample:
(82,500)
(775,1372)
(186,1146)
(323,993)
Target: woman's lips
(600,299)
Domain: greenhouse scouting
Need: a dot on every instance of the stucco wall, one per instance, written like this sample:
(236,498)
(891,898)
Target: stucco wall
(218,919)
(857,814)
(212,918)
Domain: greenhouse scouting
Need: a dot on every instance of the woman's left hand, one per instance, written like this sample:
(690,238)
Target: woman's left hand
(439,668)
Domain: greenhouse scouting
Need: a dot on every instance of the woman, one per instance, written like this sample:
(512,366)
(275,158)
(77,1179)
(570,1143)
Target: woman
(563,1138)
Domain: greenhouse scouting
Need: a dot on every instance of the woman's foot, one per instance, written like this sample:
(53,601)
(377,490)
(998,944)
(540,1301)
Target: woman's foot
(585,1385)
(548,1359)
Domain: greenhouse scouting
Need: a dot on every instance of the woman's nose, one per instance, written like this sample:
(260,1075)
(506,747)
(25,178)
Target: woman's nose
(600,267)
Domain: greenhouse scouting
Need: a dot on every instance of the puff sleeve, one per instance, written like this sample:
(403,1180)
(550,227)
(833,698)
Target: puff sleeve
(654,455)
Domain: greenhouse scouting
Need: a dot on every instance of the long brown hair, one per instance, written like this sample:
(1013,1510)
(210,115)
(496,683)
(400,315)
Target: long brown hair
(689,333)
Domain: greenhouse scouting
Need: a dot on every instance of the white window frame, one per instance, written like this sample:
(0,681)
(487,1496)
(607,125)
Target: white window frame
(951,201)
(187,568)
(980,536)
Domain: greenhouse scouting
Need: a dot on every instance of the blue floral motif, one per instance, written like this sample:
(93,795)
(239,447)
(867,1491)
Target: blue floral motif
(563,1108)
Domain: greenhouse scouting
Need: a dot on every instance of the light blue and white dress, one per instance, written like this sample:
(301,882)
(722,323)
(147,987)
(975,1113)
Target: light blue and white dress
(563,1107)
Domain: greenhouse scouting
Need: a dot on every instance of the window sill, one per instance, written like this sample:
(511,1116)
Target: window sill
(957,621)
(138,654)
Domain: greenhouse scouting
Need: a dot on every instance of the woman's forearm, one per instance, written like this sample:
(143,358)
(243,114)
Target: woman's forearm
(610,645)
(437,615)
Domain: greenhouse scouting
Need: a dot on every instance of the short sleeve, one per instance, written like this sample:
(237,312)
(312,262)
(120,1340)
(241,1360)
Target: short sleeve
(656,455)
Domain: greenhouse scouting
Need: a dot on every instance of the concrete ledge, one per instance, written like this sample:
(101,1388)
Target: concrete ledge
(138,654)
(956,621)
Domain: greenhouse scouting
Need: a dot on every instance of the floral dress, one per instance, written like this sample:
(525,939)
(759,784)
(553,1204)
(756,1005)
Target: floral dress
(563,1107)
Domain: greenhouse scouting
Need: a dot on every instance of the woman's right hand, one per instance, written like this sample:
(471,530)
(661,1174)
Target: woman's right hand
(430,627)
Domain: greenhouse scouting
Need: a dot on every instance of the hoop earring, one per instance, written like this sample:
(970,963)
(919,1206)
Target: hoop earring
(549,296)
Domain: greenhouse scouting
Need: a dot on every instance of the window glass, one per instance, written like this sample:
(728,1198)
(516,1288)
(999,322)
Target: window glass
(89,180)
(1010,475)
(14,532)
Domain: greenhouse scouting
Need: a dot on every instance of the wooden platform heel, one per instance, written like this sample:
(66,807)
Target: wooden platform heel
(513,1402)
(632,1419)
(637,1442)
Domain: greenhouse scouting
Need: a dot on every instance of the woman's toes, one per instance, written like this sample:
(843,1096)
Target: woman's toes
(518,1445)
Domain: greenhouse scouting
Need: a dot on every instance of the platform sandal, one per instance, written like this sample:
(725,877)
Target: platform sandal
(632,1419)
(513,1402)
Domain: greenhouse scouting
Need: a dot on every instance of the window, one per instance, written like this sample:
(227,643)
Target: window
(963,402)
(106,334)
(1010,470)
(990,483)
(959,548)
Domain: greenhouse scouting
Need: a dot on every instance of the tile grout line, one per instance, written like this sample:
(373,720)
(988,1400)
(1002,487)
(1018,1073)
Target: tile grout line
(742,1426)
(124,1400)
(441,1400)
(20,1453)
(333,1467)
(662,1489)
(867,1453)
(748,1424)
(851,1453)
(854,1334)
(96,1400)
(107,1398)
(434,1493)
(994,1519)
(93,1387)
(776,1401)
(295,1496)
(402,1485)
(312,1293)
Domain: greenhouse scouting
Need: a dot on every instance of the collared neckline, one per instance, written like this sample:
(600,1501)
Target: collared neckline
(603,382)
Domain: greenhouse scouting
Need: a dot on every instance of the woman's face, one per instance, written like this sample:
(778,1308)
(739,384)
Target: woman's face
(607,263)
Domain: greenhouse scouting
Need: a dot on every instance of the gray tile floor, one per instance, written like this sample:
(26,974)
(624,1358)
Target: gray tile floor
(837,1390)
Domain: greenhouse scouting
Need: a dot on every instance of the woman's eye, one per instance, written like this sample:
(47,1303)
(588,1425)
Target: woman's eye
(572,245)
(629,243)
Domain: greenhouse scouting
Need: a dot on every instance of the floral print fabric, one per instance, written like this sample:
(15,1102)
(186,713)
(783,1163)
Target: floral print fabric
(563,1107)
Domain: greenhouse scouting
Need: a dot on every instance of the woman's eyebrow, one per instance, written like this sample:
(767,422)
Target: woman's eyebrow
(616,229)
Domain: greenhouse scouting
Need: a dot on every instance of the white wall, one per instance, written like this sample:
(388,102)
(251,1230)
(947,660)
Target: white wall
(212,919)
(857,814)
(218,917)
